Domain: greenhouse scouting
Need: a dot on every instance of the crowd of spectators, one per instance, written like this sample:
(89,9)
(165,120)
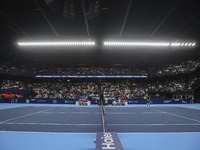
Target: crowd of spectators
(68,90)
(170,69)
(140,90)
(126,89)
(65,90)
(92,71)
(12,84)
(23,70)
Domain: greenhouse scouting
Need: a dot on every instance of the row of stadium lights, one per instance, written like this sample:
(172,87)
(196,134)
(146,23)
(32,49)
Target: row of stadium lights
(105,43)
(54,43)
(146,44)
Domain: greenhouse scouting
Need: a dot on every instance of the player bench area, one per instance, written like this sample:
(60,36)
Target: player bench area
(85,101)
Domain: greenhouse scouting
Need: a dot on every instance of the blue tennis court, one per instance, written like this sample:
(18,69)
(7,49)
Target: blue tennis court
(89,119)
(52,119)
(41,123)
(156,119)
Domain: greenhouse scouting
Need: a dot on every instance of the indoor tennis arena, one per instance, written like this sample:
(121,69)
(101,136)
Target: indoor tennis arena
(99,75)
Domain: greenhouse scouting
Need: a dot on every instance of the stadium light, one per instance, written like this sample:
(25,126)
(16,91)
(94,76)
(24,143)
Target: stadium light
(135,44)
(112,43)
(67,43)
(175,44)
(148,44)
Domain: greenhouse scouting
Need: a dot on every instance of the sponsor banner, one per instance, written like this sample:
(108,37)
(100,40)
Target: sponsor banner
(167,101)
(176,101)
(108,141)
(52,76)
(96,101)
(159,101)
(93,101)
(68,101)
(197,100)
(27,101)
(55,101)
(42,101)
(2,100)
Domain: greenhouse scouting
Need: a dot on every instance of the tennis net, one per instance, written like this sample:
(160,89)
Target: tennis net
(103,111)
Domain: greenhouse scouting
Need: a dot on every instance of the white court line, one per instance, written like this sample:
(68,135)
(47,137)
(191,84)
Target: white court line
(110,113)
(56,124)
(152,124)
(118,107)
(35,132)
(156,132)
(26,115)
(84,107)
(28,132)
(73,112)
(67,124)
(177,115)
(127,113)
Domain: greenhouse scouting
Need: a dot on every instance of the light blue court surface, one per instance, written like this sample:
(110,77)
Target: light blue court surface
(85,141)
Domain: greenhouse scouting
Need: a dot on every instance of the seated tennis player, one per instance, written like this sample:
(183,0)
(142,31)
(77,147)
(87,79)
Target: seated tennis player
(82,101)
(117,101)
(122,102)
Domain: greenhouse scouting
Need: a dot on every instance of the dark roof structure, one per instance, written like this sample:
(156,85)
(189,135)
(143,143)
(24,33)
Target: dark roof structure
(98,20)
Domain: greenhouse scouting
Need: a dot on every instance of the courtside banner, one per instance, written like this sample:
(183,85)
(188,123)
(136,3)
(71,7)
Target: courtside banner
(108,141)
(52,76)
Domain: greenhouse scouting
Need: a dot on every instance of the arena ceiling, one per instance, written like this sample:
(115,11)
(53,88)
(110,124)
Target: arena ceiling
(98,20)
